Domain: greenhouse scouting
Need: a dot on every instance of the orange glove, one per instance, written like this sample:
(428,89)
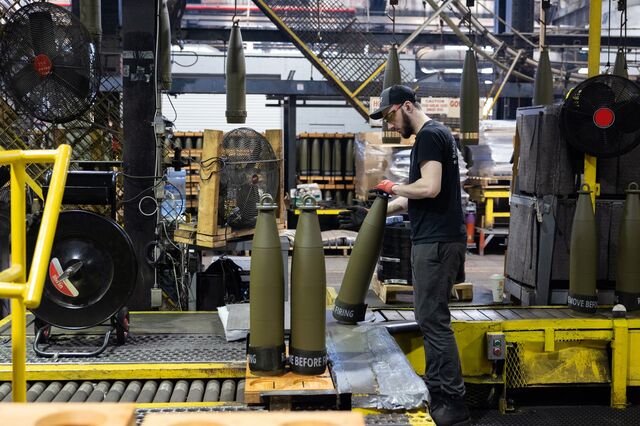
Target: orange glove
(386,186)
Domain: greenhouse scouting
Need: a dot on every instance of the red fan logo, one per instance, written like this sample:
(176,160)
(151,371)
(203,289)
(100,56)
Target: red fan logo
(64,285)
(604,118)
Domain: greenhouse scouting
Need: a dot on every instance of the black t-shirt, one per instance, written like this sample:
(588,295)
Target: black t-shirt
(436,219)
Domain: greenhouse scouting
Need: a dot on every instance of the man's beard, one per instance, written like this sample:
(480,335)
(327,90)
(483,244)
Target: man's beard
(405,129)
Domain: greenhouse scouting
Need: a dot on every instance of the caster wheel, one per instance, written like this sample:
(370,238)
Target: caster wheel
(122,326)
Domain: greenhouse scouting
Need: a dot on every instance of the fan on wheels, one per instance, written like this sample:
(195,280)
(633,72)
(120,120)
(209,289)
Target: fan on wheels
(249,169)
(599,117)
(48,64)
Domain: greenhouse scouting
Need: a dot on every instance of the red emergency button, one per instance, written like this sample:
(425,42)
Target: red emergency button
(497,351)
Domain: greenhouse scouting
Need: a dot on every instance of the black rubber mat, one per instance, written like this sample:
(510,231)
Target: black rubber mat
(141,412)
(560,416)
(161,348)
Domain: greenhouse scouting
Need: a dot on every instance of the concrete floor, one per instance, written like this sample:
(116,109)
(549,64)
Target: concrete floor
(478,271)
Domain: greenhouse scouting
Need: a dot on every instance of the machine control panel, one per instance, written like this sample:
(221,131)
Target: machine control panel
(496,346)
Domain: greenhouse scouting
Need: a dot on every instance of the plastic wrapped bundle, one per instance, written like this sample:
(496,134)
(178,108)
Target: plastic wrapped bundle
(492,156)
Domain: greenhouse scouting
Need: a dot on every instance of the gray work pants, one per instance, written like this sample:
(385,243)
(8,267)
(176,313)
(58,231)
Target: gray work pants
(434,267)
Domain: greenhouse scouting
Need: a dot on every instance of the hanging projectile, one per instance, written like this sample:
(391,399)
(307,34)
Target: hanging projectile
(583,255)
(235,78)
(165,47)
(326,157)
(316,157)
(307,349)
(266,350)
(392,76)
(469,101)
(620,66)
(543,85)
(628,267)
(91,18)
(349,305)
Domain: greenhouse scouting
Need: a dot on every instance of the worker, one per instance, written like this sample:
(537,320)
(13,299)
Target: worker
(432,198)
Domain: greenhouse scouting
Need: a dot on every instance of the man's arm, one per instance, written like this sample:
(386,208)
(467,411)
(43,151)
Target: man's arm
(397,206)
(428,186)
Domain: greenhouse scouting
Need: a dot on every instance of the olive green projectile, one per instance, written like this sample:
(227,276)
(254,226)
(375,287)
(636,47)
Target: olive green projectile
(303,157)
(543,84)
(236,78)
(307,348)
(336,164)
(266,351)
(91,18)
(327,157)
(628,267)
(348,159)
(350,198)
(620,66)
(349,305)
(392,76)
(165,47)
(469,101)
(316,157)
(583,255)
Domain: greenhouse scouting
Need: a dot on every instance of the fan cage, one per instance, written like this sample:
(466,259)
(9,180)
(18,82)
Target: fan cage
(249,170)
(95,135)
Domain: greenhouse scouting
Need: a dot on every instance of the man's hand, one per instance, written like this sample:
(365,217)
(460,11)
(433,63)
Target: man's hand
(352,218)
(386,186)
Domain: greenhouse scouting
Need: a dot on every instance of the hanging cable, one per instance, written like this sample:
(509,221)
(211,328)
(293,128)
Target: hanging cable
(609,39)
(235,12)
(622,7)
(392,17)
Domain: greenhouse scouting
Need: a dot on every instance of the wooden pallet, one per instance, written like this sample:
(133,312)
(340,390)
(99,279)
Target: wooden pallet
(461,292)
(256,386)
(69,414)
(387,292)
(326,178)
(305,135)
(261,418)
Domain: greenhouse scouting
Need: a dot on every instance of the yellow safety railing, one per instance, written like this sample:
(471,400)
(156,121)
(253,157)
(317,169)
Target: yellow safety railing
(26,292)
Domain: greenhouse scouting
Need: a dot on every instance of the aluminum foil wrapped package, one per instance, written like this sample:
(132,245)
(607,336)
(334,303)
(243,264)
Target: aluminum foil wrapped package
(368,364)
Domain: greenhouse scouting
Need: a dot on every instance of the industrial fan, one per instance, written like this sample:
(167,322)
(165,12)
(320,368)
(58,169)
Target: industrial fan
(48,64)
(249,169)
(600,116)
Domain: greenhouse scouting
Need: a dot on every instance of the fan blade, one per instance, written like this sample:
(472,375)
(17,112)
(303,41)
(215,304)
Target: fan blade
(594,96)
(24,81)
(43,37)
(73,80)
(627,115)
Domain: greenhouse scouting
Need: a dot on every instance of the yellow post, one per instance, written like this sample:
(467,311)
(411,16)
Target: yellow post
(620,363)
(595,29)
(14,283)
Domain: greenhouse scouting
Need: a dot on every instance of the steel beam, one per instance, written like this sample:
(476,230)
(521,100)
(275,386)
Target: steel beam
(386,38)
(320,89)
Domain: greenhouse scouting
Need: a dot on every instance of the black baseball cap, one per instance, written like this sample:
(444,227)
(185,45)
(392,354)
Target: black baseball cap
(394,95)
